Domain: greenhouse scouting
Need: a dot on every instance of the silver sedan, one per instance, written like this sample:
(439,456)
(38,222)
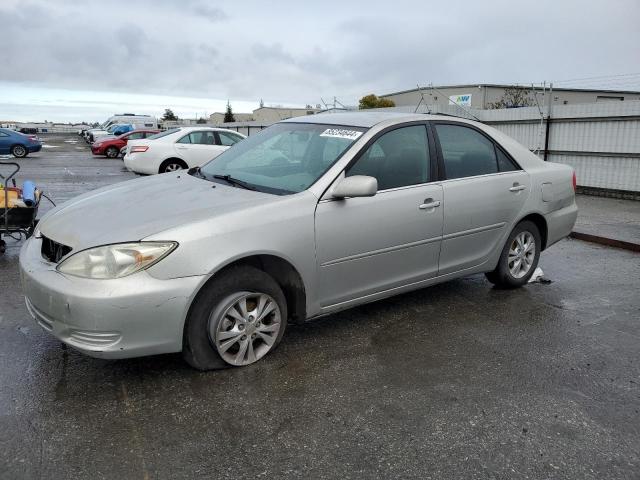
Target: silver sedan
(308,217)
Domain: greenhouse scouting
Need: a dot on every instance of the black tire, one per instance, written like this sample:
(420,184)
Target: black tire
(172,165)
(502,276)
(19,151)
(198,349)
(3,246)
(112,152)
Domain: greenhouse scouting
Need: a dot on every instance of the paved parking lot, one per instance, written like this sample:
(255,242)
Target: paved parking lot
(454,381)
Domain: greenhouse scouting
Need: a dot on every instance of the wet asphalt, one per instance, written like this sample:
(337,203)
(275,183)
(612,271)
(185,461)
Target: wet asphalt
(454,381)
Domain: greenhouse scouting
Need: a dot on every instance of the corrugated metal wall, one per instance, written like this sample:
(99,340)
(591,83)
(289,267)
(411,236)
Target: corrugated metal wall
(601,141)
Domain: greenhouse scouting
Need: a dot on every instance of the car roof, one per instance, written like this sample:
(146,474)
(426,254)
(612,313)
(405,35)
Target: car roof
(203,127)
(368,119)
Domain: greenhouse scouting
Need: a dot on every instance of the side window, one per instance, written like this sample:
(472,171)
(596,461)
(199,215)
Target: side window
(465,152)
(2,134)
(228,139)
(398,158)
(185,139)
(207,138)
(197,138)
(135,136)
(505,164)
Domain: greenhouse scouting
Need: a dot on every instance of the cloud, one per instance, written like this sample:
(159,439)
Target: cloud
(296,52)
(212,14)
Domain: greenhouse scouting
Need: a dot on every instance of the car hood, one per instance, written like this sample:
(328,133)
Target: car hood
(136,209)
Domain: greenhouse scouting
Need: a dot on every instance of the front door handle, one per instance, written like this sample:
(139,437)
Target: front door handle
(429,203)
(516,187)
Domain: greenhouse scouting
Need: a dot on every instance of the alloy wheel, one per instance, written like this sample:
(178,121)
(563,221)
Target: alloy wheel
(19,151)
(245,327)
(522,254)
(173,167)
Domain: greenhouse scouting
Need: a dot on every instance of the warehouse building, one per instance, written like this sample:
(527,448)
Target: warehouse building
(265,115)
(482,96)
(218,117)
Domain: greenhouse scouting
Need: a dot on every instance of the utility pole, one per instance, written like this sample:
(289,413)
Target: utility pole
(547,132)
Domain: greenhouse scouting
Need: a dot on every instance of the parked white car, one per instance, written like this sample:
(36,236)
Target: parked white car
(178,148)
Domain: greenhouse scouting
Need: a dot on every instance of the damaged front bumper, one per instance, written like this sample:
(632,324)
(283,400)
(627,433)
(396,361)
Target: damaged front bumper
(127,317)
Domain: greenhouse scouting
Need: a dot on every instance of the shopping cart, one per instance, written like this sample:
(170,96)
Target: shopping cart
(17,220)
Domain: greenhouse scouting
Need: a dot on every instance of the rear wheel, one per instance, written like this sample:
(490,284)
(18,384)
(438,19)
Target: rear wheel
(19,151)
(519,257)
(172,165)
(237,319)
(112,152)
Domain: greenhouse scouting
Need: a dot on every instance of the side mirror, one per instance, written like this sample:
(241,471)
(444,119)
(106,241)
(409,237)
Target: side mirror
(356,186)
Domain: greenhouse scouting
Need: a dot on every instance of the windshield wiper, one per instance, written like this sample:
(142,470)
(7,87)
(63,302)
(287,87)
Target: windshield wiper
(235,182)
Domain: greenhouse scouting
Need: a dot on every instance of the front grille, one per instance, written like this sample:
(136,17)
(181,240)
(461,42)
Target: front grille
(52,250)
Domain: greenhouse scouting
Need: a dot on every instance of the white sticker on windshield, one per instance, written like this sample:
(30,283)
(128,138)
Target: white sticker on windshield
(341,133)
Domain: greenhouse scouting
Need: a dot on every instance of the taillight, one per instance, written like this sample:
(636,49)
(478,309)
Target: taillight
(139,148)
(574,181)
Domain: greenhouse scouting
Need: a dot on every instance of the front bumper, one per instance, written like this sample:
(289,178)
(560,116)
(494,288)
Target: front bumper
(128,317)
(97,150)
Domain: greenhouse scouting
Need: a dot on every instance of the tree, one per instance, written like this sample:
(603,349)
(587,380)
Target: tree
(513,97)
(228,115)
(372,101)
(169,115)
(201,120)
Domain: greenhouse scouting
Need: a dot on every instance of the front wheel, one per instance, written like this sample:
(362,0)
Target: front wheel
(19,151)
(237,319)
(519,257)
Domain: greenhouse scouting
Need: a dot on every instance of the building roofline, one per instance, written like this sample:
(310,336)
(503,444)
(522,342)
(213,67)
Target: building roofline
(497,85)
(287,108)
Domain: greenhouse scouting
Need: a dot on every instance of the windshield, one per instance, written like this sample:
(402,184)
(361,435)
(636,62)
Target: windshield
(163,134)
(284,158)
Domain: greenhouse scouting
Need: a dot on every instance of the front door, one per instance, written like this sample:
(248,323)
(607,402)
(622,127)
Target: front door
(369,245)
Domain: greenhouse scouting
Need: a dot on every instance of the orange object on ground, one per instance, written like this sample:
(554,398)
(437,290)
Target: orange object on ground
(13,195)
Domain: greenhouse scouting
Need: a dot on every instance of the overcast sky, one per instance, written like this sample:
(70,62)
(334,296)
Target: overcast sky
(83,60)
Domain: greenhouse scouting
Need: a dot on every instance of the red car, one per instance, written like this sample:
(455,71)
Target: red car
(110,146)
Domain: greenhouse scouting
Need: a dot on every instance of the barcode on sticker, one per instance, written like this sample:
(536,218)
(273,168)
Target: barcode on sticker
(341,133)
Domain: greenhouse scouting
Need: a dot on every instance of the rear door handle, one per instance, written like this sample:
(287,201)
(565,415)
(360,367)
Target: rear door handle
(517,188)
(429,203)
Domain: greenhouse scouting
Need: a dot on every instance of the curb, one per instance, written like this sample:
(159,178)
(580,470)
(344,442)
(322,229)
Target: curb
(609,242)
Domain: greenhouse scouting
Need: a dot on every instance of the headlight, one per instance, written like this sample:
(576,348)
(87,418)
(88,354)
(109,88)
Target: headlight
(115,261)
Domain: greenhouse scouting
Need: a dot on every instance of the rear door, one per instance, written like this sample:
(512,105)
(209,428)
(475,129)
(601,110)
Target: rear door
(484,191)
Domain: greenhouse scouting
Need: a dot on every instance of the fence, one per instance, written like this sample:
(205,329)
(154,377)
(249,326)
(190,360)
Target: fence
(246,128)
(601,141)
